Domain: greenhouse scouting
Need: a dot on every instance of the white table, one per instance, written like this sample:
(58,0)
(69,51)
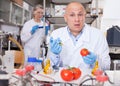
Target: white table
(113,77)
(55,77)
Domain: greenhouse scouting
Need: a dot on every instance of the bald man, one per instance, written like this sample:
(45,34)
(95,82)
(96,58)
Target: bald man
(76,36)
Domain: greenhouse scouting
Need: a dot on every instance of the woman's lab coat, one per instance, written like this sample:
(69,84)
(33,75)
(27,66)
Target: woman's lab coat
(33,42)
(91,38)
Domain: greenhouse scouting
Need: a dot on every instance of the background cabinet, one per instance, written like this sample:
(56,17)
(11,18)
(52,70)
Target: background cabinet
(58,9)
(4,10)
(10,12)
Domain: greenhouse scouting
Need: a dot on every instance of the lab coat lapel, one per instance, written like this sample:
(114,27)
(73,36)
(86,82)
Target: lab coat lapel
(85,37)
(67,37)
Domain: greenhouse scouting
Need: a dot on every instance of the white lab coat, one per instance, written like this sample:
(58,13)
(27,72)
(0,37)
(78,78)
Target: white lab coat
(91,38)
(33,42)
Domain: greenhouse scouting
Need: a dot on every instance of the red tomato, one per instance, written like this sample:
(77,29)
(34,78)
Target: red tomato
(84,52)
(67,74)
(29,68)
(70,74)
(76,72)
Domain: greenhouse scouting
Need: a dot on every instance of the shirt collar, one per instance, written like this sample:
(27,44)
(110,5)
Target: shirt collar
(84,34)
(70,34)
(74,39)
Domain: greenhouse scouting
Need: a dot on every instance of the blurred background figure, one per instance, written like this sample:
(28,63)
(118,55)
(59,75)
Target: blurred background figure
(33,33)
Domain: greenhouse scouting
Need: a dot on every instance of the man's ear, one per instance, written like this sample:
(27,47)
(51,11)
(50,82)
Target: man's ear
(65,18)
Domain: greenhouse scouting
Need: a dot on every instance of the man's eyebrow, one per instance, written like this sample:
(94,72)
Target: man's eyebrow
(74,12)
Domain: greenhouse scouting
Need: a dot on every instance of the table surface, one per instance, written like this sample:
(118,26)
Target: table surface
(56,78)
(114,76)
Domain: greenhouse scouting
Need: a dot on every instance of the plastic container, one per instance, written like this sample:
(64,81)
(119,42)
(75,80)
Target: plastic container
(37,63)
(101,79)
(8,61)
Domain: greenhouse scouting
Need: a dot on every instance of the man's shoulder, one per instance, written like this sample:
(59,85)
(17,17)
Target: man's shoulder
(93,29)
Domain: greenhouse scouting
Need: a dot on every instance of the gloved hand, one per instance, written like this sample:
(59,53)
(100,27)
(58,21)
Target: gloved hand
(90,58)
(34,28)
(47,28)
(55,46)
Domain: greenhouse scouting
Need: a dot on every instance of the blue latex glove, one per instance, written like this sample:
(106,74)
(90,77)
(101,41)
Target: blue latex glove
(90,58)
(34,28)
(55,46)
(47,28)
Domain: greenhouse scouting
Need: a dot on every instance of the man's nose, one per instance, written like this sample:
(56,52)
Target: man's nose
(77,18)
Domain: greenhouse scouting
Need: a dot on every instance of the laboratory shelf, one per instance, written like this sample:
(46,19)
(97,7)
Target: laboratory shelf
(60,20)
(68,1)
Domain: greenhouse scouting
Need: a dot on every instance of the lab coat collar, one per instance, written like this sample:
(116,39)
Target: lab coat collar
(67,33)
(86,33)
(85,37)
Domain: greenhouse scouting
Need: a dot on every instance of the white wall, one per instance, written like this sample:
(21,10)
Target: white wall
(111,14)
(108,23)
(112,9)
